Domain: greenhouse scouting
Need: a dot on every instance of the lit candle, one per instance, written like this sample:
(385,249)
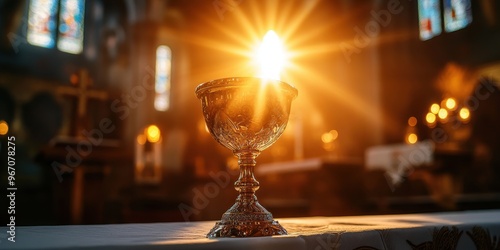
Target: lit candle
(4,127)
(148,159)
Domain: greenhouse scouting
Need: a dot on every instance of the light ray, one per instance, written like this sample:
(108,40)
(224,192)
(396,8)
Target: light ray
(243,28)
(336,92)
(297,20)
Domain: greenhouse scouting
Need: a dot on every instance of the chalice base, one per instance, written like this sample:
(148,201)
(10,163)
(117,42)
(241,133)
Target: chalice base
(246,220)
(246,229)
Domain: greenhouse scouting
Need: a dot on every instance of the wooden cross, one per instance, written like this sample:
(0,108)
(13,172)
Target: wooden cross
(83,94)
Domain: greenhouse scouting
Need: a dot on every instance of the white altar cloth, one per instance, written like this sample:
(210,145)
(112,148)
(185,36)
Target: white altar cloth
(317,233)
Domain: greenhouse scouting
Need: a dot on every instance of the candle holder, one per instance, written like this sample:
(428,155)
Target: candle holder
(246,115)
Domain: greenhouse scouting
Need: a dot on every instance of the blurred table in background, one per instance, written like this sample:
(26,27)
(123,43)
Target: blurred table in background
(312,187)
(428,176)
(392,179)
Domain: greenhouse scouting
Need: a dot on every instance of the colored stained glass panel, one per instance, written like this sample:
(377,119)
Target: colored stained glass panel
(71,26)
(457,14)
(429,16)
(42,23)
(162,77)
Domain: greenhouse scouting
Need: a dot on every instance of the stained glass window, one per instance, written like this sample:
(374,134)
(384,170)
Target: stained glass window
(42,23)
(162,78)
(70,37)
(429,15)
(457,14)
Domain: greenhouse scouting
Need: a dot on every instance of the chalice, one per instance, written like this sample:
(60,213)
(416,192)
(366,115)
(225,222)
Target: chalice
(246,115)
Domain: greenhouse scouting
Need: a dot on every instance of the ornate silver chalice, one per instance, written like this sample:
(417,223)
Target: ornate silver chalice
(246,115)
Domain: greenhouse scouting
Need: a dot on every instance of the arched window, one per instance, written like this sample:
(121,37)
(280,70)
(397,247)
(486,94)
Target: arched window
(163,77)
(70,37)
(457,14)
(42,21)
(43,25)
(429,15)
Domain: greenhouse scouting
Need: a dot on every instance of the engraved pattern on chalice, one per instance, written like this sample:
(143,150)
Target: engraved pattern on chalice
(246,115)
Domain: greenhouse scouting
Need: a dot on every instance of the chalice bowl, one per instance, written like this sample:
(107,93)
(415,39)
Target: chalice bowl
(246,115)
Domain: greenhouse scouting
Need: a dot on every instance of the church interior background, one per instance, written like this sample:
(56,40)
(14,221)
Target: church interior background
(398,107)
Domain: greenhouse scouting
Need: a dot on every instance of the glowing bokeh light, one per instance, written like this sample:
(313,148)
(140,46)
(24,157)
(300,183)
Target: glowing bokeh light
(330,136)
(443,114)
(464,113)
(327,137)
(73,79)
(412,138)
(435,108)
(4,127)
(141,139)
(430,118)
(451,104)
(412,121)
(153,133)
(335,134)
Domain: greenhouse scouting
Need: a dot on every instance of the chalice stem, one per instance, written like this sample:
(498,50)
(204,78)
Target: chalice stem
(246,184)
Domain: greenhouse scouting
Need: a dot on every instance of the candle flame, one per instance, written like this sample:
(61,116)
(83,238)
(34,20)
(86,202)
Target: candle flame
(430,118)
(153,133)
(271,56)
(4,127)
(412,138)
(464,113)
(435,108)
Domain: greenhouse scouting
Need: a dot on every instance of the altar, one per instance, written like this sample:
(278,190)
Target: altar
(451,230)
